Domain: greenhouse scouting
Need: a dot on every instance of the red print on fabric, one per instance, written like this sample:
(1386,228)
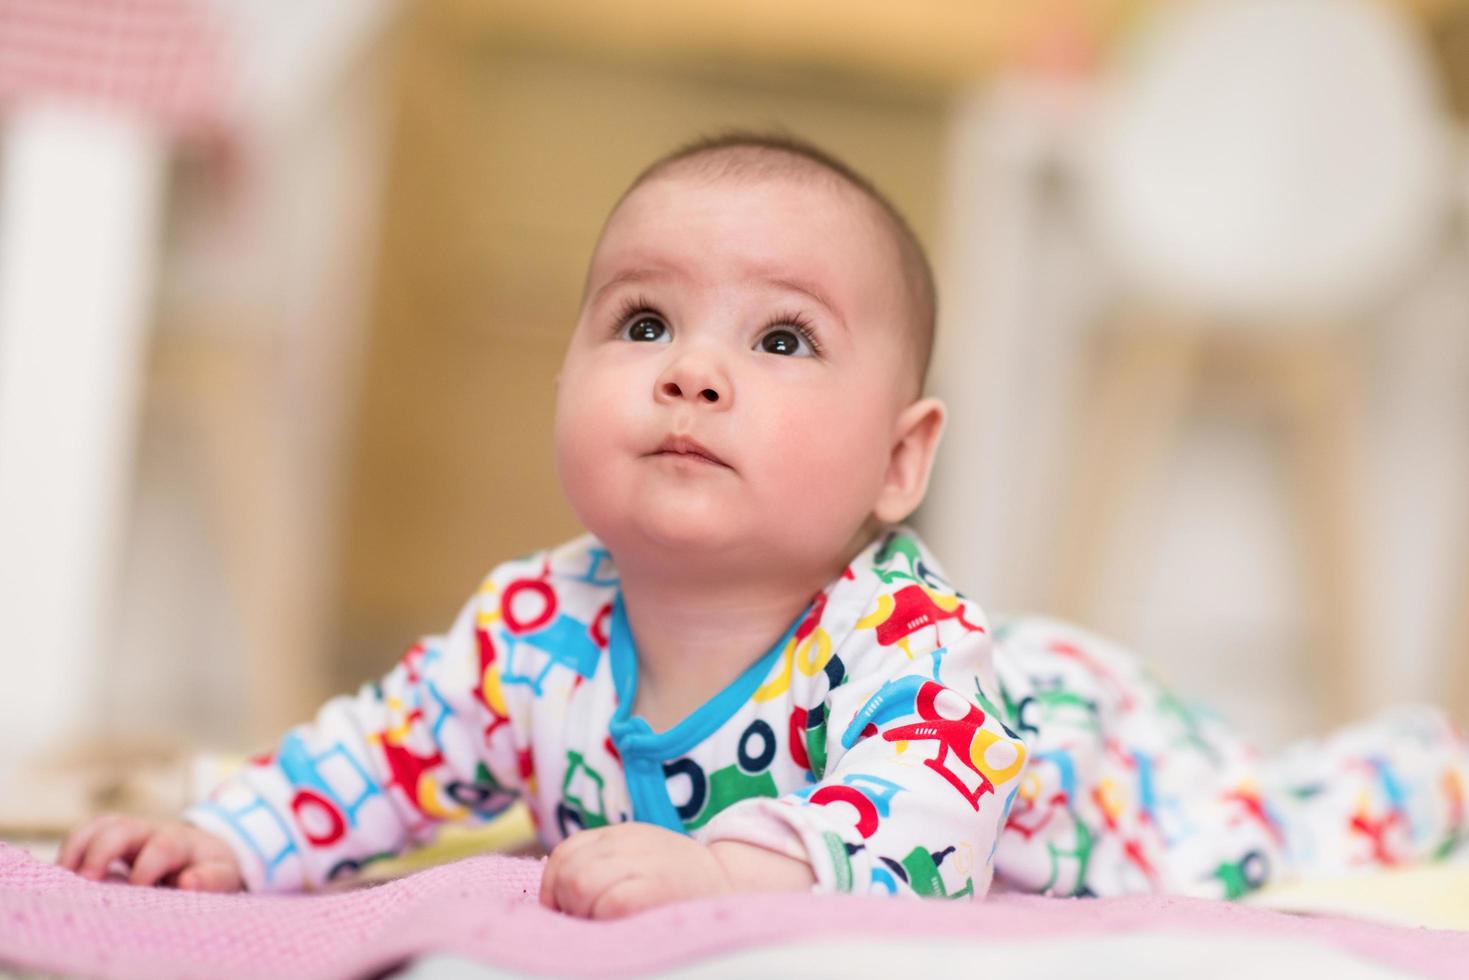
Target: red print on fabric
(914,609)
(407,768)
(796,738)
(867,818)
(952,734)
(486,665)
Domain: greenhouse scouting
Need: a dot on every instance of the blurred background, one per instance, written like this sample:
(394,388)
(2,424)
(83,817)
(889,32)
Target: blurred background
(284,287)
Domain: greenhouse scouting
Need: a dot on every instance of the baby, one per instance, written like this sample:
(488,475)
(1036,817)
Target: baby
(749,676)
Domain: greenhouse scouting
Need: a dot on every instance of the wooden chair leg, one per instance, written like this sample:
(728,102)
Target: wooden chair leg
(1320,376)
(1143,388)
(1457,689)
(1310,380)
(265,550)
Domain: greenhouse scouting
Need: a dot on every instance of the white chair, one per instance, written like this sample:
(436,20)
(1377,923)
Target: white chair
(1262,174)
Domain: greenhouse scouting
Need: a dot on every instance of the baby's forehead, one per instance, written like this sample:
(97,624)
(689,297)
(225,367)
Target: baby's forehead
(731,237)
(825,191)
(658,210)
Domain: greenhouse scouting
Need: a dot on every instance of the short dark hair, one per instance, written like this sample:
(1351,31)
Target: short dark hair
(745,153)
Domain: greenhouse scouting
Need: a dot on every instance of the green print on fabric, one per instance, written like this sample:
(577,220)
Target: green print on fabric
(485,797)
(816,747)
(984,702)
(728,786)
(576,766)
(988,706)
(841,861)
(348,866)
(1453,789)
(1015,711)
(923,873)
(1241,877)
(1168,704)
(897,545)
(1083,855)
(836,676)
(486,783)
(1057,701)
(748,777)
(485,780)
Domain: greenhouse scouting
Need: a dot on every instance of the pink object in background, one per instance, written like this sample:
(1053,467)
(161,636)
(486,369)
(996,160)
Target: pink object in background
(161,59)
(486,909)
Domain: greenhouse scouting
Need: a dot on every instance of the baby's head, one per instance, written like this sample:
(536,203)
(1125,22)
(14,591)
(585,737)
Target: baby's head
(743,386)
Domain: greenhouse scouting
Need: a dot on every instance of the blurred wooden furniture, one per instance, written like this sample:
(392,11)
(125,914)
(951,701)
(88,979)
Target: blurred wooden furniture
(1305,384)
(1266,251)
(253,375)
(934,41)
(80,193)
(265,494)
(1457,675)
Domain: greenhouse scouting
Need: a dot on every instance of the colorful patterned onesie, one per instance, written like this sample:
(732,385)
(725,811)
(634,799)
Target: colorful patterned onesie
(889,739)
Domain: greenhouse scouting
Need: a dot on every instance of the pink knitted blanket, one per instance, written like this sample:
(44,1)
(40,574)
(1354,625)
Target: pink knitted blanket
(485,908)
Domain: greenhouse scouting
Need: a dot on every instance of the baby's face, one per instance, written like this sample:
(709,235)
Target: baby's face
(732,387)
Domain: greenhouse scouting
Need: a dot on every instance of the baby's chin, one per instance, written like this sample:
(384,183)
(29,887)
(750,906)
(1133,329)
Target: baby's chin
(721,551)
(694,533)
(680,539)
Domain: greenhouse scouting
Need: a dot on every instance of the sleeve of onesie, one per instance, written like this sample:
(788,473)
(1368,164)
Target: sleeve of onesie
(919,776)
(378,771)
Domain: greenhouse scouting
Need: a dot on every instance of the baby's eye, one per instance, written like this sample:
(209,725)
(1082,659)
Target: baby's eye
(646,328)
(786,342)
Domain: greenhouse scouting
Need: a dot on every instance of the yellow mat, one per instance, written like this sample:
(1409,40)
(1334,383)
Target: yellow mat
(1435,895)
(510,832)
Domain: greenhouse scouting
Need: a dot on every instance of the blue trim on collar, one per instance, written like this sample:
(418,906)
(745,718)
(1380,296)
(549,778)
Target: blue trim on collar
(643,751)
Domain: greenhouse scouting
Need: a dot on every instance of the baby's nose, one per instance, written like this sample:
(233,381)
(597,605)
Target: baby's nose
(695,377)
(673,390)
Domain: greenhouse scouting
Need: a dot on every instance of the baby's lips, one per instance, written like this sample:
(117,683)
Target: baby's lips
(686,446)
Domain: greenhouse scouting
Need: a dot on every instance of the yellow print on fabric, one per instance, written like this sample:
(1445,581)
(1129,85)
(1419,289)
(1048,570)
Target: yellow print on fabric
(809,655)
(488,614)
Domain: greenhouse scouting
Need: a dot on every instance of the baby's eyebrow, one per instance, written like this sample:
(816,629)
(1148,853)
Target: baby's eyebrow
(810,289)
(639,274)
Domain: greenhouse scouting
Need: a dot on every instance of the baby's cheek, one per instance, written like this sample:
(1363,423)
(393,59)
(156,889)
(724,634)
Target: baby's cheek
(834,470)
(847,447)
(582,440)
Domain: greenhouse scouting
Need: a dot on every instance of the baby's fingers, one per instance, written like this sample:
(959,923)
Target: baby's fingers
(164,853)
(75,845)
(119,839)
(626,897)
(211,876)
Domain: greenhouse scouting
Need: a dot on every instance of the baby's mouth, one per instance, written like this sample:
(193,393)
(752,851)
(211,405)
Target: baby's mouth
(689,449)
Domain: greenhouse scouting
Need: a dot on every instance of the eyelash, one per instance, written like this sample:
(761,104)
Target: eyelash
(796,321)
(801,325)
(628,309)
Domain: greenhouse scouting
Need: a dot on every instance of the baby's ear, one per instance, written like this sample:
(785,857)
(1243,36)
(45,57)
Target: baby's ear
(915,439)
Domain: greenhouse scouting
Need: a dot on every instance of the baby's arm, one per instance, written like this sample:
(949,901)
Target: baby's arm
(919,776)
(751,868)
(628,867)
(378,771)
(369,775)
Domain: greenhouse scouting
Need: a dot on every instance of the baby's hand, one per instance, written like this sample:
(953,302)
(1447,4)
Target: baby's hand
(626,868)
(167,852)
